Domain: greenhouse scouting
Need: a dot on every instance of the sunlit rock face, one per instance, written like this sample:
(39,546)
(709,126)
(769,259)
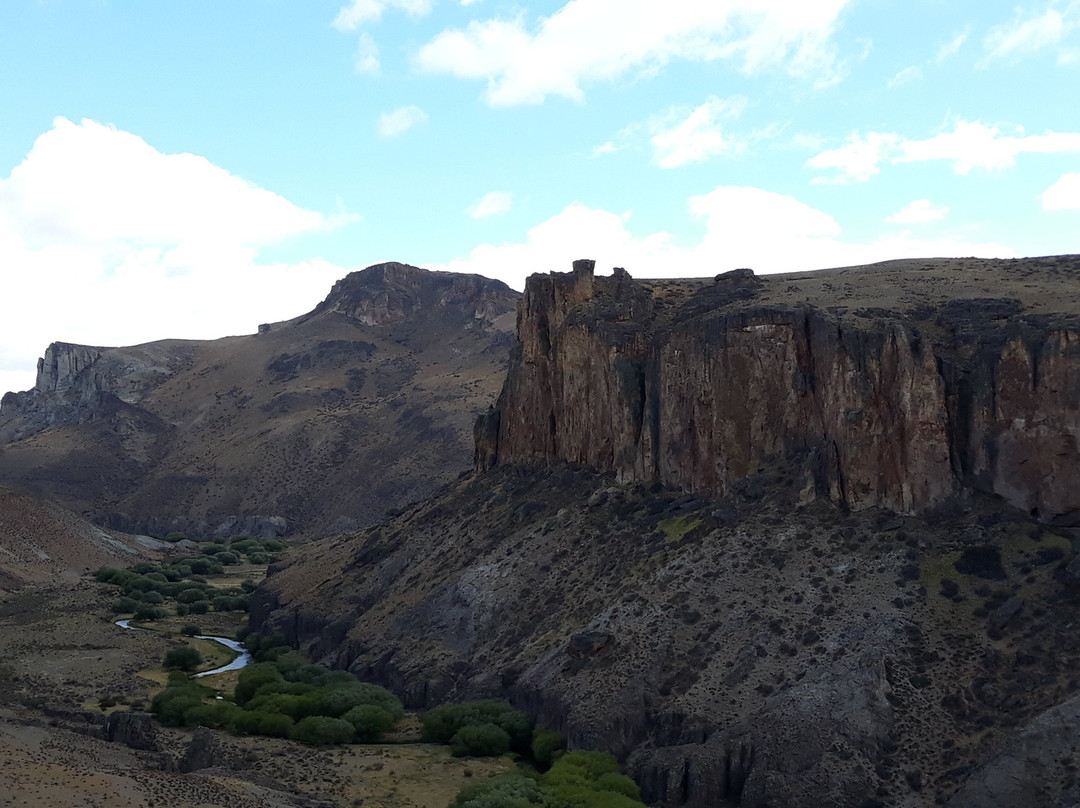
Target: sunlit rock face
(701,386)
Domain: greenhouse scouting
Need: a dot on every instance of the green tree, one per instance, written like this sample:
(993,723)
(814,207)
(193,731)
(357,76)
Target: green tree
(184,658)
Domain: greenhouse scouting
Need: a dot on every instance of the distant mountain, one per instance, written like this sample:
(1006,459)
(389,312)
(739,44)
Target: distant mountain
(315,424)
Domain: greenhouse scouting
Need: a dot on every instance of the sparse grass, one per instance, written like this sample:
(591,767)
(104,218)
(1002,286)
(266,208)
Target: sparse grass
(676,528)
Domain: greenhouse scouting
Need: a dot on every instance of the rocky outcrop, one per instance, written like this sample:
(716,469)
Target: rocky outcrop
(132,729)
(1035,766)
(388,293)
(897,409)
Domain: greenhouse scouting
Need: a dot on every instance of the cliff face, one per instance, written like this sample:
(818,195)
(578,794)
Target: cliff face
(700,385)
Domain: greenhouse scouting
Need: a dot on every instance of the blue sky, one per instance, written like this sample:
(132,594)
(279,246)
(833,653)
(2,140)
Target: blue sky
(191,169)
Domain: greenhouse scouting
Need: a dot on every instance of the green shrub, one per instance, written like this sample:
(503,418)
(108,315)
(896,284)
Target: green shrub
(252,678)
(545,744)
(145,611)
(105,575)
(258,558)
(199,607)
(176,536)
(480,740)
(182,609)
(510,790)
(201,566)
(443,722)
(190,630)
(124,605)
(177,698)
(153,597)
(248,585)
(369,722)
(321,730)
(184,658)
(191,594)
(226,558)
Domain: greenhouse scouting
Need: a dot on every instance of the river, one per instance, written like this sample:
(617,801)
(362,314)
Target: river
(239,662)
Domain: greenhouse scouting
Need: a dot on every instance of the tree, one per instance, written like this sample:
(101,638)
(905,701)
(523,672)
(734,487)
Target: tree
(184,658)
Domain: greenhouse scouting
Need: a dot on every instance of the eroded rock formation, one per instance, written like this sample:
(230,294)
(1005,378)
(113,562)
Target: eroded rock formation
(699,386)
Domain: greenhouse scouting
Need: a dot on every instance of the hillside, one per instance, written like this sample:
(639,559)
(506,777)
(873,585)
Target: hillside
(315,424)
(794,540)
(42,543)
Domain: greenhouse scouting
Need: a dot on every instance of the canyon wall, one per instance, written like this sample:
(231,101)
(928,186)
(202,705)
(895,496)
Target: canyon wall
(700,385)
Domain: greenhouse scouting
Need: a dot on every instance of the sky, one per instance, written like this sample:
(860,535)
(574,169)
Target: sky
(190,169)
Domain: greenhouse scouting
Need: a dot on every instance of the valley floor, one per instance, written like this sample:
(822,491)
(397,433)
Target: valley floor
(60,654)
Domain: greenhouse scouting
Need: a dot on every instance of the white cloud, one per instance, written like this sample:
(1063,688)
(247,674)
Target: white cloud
(857,160)
(681,137)
(744,226)
(367,55)
(906,75)
(1029,34)
(491,203)
(952,47)
(401,120)
(106,240)
(608,147)
(469,2)
(918,212)
(973,144)
(589,41)
(356,13)
(1063,194)
(970,145)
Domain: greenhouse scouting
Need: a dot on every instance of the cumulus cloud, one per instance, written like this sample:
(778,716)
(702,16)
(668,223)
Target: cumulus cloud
(1063,194)
(970,145)
(1026,34)
(857,160)
(691,136)
(401,120)
(491,203)
(744,226)
(590,41)
(106,240)
(918,212)
(352,16)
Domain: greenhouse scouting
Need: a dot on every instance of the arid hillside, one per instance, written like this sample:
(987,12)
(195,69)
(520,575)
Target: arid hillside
(42,543)
(316,424)
(792,540)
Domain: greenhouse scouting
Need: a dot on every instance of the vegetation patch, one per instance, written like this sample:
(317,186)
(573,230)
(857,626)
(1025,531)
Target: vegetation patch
(677,528)
(218,580)
(283,695)
(575,779)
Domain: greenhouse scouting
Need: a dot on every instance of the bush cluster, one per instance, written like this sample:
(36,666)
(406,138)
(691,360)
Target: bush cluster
(148,587)
(479,728)
(287,697)
(575,779)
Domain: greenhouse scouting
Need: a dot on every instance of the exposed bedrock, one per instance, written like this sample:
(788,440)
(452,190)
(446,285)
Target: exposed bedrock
(701,392)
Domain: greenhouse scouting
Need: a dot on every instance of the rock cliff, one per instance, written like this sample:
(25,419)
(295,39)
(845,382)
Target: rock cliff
(700,384)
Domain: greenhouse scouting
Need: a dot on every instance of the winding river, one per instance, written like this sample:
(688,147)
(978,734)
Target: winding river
(239,662)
